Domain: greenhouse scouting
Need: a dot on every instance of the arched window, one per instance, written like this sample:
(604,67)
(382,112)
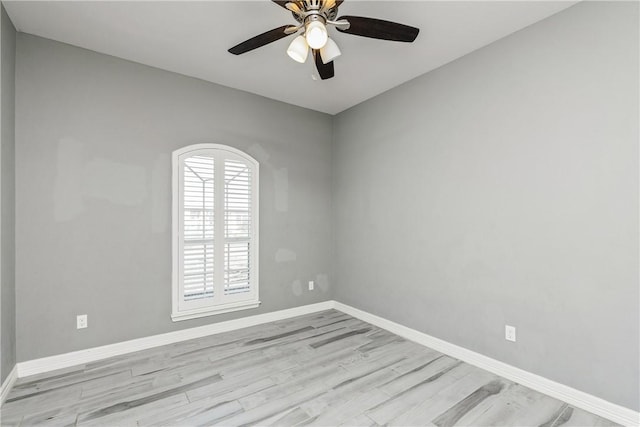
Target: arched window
(215,231)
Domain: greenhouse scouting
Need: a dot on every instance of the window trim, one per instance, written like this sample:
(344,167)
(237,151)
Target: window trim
(176,289)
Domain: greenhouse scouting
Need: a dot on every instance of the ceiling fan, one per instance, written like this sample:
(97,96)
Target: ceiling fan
(313,17)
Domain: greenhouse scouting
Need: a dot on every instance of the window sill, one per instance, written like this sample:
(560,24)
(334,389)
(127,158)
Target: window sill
(212,311)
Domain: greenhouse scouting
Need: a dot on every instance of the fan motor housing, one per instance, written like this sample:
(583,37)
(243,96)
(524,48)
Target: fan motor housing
(313,11)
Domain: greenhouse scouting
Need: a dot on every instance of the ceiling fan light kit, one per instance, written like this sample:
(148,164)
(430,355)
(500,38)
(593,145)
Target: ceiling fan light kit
(298,50)
(330,51)
(316,34)
(313,17)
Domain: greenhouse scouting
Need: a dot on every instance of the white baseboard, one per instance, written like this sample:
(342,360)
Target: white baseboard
(577,398)
(567,394)
(80,357)
(8,383)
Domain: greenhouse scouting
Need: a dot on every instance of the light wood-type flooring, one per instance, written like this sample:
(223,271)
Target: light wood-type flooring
(324,369)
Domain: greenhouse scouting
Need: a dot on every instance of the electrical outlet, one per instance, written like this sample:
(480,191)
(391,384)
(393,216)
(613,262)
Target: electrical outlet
(510,333)
(81,321)
(311,285)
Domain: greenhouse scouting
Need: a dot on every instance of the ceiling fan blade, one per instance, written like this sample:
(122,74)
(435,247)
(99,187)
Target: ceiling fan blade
(281,3)
(326,71)
(260,40)
(379,29)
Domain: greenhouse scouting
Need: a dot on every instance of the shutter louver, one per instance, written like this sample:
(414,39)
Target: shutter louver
(198,228)
(237,227)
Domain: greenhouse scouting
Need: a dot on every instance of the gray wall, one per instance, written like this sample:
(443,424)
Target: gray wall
(94,136)
(7,197)
(502,189)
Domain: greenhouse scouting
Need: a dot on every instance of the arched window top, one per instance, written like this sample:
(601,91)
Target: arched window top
(195,148)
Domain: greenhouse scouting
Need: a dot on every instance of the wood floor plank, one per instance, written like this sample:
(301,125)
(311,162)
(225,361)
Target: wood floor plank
(44,402)
(64,419)
(403,402)
(452,416)
(441,402)
(518,406)
(361,420)
(92,403)
(345,407)
(347,389)
(415,360)
(208,416)
(272,407)
(207,402)
(427,371)
(577,417)
(288,417)
(231,389)
(10,420)
(147,398)
(317,380)
(129,414)
(321,369)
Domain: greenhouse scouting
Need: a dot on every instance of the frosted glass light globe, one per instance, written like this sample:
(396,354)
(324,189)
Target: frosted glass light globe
(329,52)
(316,34)
(298,49)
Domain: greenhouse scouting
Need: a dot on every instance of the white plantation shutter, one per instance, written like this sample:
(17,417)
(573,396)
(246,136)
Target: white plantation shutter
(215,231)
(237,227)
(197,228)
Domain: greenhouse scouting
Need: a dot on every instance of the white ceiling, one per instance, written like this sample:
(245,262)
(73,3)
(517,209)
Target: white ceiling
(192,38)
